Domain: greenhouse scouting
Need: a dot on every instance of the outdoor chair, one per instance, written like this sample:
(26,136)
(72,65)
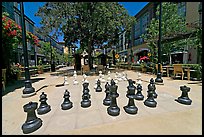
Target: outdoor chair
(85,69)
(161,69)
(178,70)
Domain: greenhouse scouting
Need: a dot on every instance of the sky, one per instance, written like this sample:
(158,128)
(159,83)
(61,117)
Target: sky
(30,8)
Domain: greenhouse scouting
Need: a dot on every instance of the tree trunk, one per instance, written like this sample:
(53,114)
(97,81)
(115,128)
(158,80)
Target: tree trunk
(90,42)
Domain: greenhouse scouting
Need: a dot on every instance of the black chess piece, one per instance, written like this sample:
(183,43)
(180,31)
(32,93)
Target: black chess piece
(67,104)
(154,88)
(150,102)
(131,108)
(184,99)
(32,122)
(86,102)
(139,95)
(107,99)
(98,88)
(44,107)
(113,109)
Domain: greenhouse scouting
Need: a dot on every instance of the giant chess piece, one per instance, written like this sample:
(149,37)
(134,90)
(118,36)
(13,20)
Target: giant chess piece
(116,78)
(85,79)
(184,99)
(103,79)
(119,77)
(32,122)
(98,88)
(139,81)
(154,88)
(95,86)
(44,107)
(65,80)
(75,78)
(113,109)
(139,95)
(100,75)
(131,108)
(107,99)
(124,77)
(86,102)
(150,102)
(109,77)
(67,104)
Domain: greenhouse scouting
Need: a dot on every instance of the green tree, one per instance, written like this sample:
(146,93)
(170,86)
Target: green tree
(90,23)
(172,25)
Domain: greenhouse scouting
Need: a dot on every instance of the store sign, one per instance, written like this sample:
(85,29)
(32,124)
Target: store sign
(117,56)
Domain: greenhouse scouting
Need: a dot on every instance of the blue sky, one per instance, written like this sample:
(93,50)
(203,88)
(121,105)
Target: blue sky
(30,8)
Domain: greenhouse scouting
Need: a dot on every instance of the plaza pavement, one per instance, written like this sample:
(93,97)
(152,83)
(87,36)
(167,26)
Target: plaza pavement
(168,118)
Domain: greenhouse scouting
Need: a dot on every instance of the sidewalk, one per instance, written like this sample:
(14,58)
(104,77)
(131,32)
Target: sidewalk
(168,118)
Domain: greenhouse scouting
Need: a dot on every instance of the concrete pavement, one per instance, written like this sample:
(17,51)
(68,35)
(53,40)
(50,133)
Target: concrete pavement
(169,117)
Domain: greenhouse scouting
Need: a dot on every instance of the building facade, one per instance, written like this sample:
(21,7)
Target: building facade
(138,48)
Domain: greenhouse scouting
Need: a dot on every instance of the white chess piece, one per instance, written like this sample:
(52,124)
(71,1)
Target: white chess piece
(100,75)
(116,78)
(124,77)
(75,78)
(65,81)
(119,77)
(139,79)
(109,78)
(85,79)
(102,79)
(95,84)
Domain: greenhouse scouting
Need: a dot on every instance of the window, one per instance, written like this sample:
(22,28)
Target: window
(182,9)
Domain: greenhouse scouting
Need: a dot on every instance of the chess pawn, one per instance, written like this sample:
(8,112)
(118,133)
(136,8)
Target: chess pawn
(67,104)
(98,88)
(65,81)
(139,79)
(86,102)
(75,79)
(109,77)
(139,95)
(100,75)
(124,77)
(85,79)
(119,77)
(116,78)
(102,79)
(150,102)
(113,109)
(184,99)
(96,83)
(107,99)
(131,108)
(44,107)
(32,122)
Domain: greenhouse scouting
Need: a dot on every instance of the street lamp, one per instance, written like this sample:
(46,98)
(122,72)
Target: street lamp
(52,61)
(28,90)
(159,77)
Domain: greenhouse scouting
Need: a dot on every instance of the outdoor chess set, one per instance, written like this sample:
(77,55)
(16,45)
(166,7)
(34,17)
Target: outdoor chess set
(33,123)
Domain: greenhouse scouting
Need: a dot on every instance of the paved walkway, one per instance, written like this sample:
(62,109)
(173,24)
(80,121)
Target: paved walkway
(169,117)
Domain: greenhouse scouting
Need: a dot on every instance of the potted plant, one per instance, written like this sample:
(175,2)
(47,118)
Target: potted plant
(143,66)
(40,67)
(16,71)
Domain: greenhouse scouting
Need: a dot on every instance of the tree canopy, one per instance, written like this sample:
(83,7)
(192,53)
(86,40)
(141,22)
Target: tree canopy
(90,23)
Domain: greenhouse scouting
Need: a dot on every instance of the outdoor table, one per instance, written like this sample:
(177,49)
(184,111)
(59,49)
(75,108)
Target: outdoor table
(185,68)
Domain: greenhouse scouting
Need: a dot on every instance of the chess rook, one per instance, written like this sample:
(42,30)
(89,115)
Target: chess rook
(32,122)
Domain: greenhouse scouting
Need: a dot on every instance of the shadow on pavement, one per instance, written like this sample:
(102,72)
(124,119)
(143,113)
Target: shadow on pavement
(11,86)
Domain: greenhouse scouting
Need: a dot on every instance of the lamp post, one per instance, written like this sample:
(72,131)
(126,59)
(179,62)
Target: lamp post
(52,62)
(28,90)
(159,76)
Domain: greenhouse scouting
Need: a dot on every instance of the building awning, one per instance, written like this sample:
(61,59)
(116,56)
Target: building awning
(124,52)
(140,50)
